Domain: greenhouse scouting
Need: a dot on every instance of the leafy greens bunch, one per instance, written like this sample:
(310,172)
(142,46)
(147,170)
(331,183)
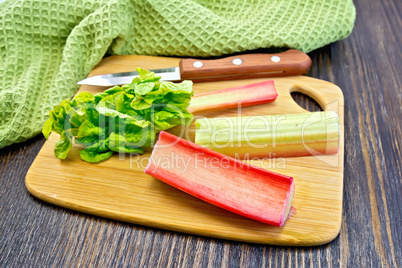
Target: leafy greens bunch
(121,119)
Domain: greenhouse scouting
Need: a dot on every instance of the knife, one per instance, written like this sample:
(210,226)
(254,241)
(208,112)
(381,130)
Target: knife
(290,62)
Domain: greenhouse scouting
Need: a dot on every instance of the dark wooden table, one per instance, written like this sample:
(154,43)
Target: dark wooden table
(366,65)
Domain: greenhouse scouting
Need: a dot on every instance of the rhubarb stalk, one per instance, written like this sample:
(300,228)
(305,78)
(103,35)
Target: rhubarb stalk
(246,95)
(223,181)
(287,135)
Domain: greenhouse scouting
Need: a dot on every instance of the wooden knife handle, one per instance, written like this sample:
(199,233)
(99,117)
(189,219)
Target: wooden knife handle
(290,62)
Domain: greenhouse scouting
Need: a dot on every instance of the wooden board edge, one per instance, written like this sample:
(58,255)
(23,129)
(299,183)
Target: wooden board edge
(331,235)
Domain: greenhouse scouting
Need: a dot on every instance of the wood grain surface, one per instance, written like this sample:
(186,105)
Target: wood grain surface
(119,189)
(366,66)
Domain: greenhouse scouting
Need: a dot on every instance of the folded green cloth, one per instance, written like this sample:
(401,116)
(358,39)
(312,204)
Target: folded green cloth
(47,46)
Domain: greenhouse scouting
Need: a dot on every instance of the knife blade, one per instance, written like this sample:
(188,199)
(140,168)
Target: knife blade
(261,65)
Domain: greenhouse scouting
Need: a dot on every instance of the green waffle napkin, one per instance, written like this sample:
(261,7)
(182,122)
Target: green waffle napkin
(47,46)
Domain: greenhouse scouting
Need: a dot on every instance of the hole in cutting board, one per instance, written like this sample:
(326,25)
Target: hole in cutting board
(306,102)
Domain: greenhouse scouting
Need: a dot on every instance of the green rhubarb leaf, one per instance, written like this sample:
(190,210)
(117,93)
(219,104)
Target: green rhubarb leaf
(140,104)
(118,143)
(121,119)
(62,147)
(144,88)
(83,98)
(94,156)
(58,116)
(86,129)
(47,127)
(111,91)
(123,104)
(145,76)
(185,87)
(65,105)
(78,117)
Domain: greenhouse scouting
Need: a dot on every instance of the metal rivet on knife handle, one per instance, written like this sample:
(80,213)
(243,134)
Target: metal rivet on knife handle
(198,64)
(237,61)
(290,62)
(275,59)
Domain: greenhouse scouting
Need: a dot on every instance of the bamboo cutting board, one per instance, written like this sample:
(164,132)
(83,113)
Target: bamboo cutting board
(119,189)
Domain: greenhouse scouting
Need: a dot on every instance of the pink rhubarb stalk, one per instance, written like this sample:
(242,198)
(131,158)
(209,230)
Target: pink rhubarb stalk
(246,95)
(223,181)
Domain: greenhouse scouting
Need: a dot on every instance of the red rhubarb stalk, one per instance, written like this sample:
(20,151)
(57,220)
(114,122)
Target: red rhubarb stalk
(223,181)
(246,95)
